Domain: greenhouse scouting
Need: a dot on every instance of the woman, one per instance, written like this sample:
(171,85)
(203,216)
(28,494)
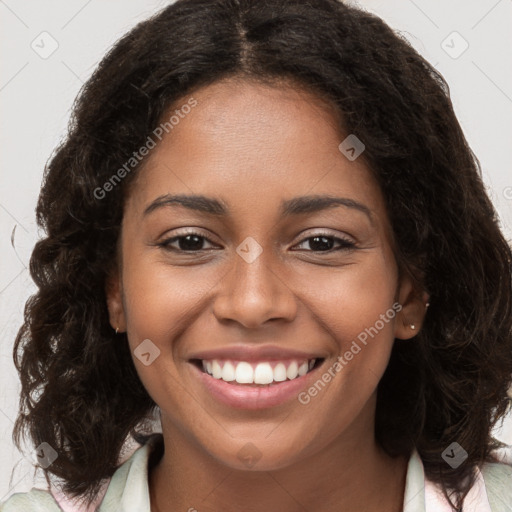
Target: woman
(266,226)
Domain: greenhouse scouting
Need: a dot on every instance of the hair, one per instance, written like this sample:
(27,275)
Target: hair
(80,390)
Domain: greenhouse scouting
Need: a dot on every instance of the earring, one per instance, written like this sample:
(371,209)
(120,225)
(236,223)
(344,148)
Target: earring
(427,304)
(413,327)
(117,330)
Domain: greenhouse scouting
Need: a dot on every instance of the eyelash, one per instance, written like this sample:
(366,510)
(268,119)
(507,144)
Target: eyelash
(345,243)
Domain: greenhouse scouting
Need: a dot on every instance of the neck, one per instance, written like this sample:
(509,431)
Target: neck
(351,473)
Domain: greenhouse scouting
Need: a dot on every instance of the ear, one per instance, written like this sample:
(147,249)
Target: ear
(114,295)
(414,304)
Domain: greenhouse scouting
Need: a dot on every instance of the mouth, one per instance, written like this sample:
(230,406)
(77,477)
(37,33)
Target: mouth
(261,374)
(254,385)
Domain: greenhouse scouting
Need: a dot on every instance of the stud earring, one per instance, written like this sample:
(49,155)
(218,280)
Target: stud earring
(427,304)
(117,330)
(413,326)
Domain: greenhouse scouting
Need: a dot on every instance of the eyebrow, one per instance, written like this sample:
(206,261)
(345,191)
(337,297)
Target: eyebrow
(294,206)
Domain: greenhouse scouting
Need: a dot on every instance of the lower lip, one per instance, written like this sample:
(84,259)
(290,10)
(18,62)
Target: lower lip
(253,397)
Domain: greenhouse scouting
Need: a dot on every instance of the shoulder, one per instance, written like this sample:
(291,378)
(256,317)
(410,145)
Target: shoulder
(498,485)
(128,489)
(127,485)
(36,500)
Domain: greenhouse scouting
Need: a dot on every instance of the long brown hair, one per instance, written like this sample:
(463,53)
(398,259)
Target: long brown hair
(80,391)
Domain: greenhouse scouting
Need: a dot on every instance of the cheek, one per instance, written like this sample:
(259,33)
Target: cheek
(348,300)
(160,303)
(159,299)
(356,304)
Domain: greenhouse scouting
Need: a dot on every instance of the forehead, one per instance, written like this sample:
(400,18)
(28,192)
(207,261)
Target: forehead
(253,145)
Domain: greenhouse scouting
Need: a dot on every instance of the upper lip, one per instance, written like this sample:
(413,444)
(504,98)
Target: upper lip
(259,353)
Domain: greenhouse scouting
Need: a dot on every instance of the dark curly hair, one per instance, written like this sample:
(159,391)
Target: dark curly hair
(80,390)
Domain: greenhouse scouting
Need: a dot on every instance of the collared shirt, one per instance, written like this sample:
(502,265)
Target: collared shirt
(128,489)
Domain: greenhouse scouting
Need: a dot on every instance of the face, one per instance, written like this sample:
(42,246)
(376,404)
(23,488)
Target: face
(260,279)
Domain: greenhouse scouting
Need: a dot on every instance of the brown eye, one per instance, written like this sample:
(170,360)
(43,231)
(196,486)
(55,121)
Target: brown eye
(191,242)
(325,243)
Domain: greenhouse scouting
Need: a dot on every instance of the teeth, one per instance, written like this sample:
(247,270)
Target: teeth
(280,372)
(261,373)
(216,370)
(244,374)
(292,371)
(228,372)
(303,369)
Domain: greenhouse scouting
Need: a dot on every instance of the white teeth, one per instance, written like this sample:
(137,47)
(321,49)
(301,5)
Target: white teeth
(280,372)
(244,374)
(216,369)
(292,371)
(261,373)
(228,372)
(303,369)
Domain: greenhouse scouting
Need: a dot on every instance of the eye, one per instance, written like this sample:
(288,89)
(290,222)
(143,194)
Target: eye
(323,242)
(189,242)
(194,242)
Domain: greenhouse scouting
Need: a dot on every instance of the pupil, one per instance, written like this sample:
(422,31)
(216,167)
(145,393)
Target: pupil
(321,246)
(186,244)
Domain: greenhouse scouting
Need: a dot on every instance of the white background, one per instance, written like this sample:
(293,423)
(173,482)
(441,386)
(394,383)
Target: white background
(36,95)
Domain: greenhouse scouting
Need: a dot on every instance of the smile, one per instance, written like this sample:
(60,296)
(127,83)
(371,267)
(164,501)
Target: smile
(262,373)
(254,384)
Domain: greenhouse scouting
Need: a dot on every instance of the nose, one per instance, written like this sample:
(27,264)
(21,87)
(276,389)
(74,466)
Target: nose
(253,293)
